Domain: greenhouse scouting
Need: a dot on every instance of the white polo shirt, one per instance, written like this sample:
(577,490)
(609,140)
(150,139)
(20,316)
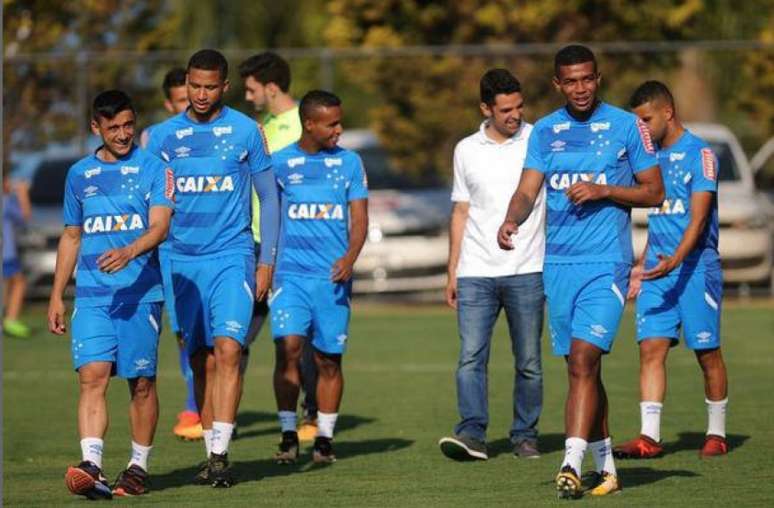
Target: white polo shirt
(486,174)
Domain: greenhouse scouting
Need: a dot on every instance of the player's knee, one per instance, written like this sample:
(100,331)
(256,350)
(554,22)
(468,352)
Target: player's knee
(581,367)
(228,352)
(710,360)
(143,388)
(328,366)
(93,381)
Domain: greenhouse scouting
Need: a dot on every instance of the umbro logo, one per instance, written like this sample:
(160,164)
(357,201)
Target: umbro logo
(182,151)
(296,178)
(90,191)
(598,331)
(558,146)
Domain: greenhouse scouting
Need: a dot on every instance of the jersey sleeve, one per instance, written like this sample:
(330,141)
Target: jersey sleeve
(704,171)
(534,158)
(258,150)
(358,186)
(154,141)
(162,186)
(72,208)
(640,147)
(460,191)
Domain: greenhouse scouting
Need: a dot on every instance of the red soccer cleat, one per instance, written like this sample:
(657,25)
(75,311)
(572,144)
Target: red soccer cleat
(642,447)
(713,446)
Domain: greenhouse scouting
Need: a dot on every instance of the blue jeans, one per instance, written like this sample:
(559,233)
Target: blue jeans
(479,300)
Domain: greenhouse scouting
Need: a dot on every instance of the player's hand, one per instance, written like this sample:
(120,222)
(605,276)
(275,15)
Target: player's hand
(665,265)
(505,234)
(451,291)
(56,319)
(263,276)
(635,282)
(580,192)
(116,259)
(341,271)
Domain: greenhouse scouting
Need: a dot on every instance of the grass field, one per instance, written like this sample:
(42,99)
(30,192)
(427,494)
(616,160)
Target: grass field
(399,400)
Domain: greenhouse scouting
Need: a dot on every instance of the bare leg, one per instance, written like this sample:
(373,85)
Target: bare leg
(653,355)
(287,379)
(714,369)
(17,286)
(93,379)
(330,383)
(583,397)
(143,410)
(228,353)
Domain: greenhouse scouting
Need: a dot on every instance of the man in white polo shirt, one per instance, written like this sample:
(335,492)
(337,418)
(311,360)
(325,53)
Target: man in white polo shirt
(484,278)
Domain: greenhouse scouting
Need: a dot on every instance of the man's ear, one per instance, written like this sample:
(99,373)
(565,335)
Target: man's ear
(486,110)
(94,127)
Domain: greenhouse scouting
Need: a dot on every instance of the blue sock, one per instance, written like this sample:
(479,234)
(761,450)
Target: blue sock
(185,369)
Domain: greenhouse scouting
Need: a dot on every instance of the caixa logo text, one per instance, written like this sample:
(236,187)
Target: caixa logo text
(316,211)
(112,223)
(563,181)
(204,184)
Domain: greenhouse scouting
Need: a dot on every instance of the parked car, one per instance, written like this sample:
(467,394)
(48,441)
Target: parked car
(407,245)
(745,242)
(46,172)
(763,167)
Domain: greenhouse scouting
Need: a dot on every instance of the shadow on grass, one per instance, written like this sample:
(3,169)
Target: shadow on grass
(255,470)
(247,418)
(636,476)
(695,440)
(547,443)
(344,423)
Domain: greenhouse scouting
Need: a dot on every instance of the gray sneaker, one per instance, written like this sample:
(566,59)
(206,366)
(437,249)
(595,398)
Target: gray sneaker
(526,449)
(463,448)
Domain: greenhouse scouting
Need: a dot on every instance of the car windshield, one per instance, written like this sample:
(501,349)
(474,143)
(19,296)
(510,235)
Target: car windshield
(729,172)
(48,181)
(381,174)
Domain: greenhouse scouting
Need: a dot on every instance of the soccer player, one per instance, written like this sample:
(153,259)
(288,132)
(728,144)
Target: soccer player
(324,198)
(16,212)
(217,154)
(117,207)
(679,278)
(189,424)
(175,97)
(483,279)
(267,86)
(597,161)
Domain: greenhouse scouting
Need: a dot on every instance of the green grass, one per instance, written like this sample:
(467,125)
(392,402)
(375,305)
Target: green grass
(399,400)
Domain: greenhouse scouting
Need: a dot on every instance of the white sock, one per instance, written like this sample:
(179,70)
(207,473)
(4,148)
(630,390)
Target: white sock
(602,451)
(140,456)
(207,441)
(221,436)
(574,449)
(91,450)
(716,416)
(650,416)
(287,420)
(326,423)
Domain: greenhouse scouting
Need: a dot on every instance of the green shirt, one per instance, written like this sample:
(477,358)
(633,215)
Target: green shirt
(280,131)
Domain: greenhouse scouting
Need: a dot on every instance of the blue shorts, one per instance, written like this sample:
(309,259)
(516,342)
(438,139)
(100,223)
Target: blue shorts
(689,299)
(169,294)
(586,302)
(305,305)
(11,267)
(126,335)
(214,298)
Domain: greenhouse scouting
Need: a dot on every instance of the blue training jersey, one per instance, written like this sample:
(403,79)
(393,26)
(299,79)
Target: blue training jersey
(688,166)
(213,163)
(110,202)
(608,149)
(315,194)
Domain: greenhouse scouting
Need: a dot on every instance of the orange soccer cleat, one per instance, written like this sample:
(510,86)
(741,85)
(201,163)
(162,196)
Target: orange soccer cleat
(189,426)
(642,447)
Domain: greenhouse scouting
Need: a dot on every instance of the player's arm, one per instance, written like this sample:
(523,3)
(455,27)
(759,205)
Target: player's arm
(158,227)
(459,217)
(648,191)
(358,214)
(521,205)
(635,276)
(701,207)
(266,188)
(66,258)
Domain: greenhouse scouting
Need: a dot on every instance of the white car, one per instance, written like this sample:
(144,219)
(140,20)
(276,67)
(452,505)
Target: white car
(408,243)
(745,242)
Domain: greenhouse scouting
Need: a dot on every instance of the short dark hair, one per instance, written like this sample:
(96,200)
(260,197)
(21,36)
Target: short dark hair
(572,55)
(497,81)
(109,103)
(650,91)
(172,79)
(267,68)
(209,60)
(315,99)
